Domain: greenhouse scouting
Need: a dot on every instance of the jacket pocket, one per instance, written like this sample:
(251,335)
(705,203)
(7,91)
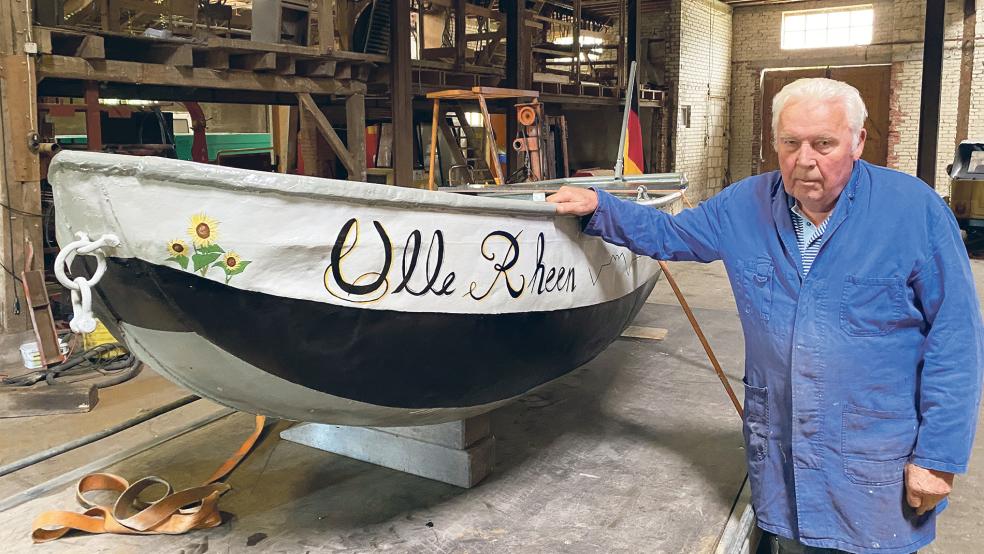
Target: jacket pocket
(871,307)
(875,445)
(757,279)
(756,424)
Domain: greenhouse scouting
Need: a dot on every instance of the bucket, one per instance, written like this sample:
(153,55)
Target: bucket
(32,356)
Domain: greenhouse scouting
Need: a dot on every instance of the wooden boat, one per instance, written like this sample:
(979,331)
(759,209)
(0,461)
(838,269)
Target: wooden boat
(342,302)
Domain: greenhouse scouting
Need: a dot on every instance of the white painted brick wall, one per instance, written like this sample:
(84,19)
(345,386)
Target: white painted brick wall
(703,82)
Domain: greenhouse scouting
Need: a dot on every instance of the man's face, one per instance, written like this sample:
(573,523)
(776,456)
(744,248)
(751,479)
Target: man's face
(813,141)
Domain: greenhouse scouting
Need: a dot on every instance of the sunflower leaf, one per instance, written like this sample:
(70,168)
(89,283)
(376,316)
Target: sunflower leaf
(180,260)
(202,259)
(238,270)
(213,249)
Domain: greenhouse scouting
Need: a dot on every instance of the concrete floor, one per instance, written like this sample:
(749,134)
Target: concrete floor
(639,451)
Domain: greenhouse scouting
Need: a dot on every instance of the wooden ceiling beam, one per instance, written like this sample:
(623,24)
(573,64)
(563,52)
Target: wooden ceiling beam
(113,71)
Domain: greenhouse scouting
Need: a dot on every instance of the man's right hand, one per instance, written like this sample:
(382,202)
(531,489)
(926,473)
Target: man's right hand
(574,201)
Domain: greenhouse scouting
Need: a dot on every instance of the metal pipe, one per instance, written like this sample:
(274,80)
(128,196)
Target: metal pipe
(50,148)
(671,180)
(629,91)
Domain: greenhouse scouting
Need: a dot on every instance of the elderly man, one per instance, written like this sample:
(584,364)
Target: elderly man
(862,328)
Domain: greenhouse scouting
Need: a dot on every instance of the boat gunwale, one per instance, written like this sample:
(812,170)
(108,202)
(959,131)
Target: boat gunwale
(315,188)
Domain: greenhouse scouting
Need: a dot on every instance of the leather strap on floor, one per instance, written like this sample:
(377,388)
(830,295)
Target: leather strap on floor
(172,513)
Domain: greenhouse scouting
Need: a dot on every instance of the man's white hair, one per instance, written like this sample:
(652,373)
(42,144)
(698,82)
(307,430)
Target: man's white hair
(822,89)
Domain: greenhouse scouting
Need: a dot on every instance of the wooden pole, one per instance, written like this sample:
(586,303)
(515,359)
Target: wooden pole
(519,70)
(401,93)
(576,44)
(326,26)
(433,146)
(493,151)
(20,172)
(703,340)
(93,122)
(459,33)
(355,134)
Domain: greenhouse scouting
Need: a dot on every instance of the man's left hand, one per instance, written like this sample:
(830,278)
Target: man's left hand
(925,488)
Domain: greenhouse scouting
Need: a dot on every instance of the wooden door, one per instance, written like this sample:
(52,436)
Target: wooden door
(872,82)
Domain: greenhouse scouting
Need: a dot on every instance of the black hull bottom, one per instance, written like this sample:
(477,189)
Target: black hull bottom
(386,358)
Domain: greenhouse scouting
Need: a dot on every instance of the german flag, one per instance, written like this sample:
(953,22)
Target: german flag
(632,155)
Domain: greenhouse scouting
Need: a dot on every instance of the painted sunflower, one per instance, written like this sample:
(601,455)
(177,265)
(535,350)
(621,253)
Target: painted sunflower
(204,230)
(231,261)
(177,247)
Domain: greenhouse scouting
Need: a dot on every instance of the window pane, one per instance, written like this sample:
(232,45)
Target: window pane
(839,20)
(838,37)
(793,40)
(862,17)
(794,23)
(827,28)
(861,35)
(816,21)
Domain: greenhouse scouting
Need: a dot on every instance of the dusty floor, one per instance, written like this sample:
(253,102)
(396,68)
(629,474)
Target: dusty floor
(639,451)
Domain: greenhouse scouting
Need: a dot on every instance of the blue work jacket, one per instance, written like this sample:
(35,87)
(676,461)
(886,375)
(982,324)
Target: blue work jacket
(872,360)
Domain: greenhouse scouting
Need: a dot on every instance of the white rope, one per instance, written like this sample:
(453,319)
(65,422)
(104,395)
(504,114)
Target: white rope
(82,320)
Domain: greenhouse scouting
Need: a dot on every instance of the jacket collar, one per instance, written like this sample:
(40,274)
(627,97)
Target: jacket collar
(784,222)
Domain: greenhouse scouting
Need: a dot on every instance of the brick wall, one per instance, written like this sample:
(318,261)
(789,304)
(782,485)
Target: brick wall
(699,77)
(897,40)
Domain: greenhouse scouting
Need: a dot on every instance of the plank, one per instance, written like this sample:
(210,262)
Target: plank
(115,71)
(649,333)
(43,399)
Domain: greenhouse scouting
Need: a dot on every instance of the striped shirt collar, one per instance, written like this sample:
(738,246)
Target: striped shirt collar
(808,235)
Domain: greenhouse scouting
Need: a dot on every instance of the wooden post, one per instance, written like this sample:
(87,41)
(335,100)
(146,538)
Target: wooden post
(519,72)
(93,124)
(307,143)
(280,135)
(932,81)
(493,151)
(293,132)
(322,124)
(20,176)
(109,15)
(326,25)
(576,35)
(459,33)
(344,24)
(433,144)
(355,134)
(402,97)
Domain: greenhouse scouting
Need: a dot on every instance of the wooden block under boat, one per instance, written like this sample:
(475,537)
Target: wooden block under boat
(44,399)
